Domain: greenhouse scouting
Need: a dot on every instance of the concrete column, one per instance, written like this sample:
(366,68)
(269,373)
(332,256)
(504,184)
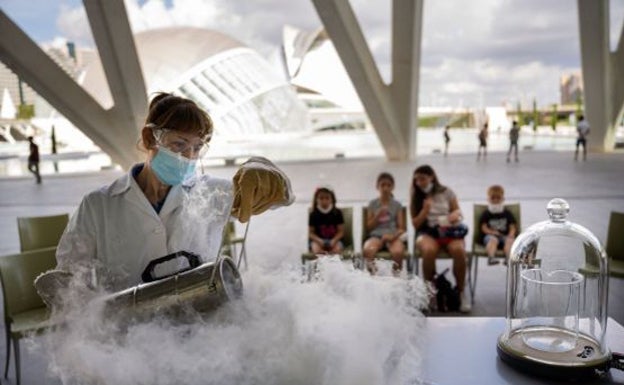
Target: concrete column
(115,42)
(392,109)
(603,74)
(116,130)
(406,38)
(617,67)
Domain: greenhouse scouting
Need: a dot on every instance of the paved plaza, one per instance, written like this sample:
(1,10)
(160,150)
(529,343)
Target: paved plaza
(593,188)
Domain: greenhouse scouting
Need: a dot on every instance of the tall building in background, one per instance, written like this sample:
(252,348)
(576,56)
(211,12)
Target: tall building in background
(571,88)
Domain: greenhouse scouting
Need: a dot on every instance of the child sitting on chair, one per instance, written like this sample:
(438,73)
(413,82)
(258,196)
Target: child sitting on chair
(326,223)
(498,225)
(385,223)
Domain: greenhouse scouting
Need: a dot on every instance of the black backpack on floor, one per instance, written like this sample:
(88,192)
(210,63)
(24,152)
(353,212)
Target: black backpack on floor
(447,296)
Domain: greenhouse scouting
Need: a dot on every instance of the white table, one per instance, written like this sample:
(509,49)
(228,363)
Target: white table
(462,351)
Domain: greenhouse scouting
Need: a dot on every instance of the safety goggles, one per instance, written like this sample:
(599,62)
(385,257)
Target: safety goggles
(191,147)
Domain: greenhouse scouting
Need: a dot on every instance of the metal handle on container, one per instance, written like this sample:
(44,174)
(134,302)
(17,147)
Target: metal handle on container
(617,361)
(148,273)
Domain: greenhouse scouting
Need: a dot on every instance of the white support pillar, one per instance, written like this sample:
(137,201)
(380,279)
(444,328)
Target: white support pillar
(115,42)
(392,109)
(617,65)
(603,74)
(116,130)
(406,38)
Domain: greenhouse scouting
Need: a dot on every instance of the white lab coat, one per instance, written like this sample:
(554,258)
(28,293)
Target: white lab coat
(116,232)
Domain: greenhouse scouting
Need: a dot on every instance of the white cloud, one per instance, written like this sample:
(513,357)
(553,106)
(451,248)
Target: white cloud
(73,25)
(482,51)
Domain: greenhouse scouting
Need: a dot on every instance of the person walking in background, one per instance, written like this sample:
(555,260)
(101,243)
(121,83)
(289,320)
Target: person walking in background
(326,223)
(582,128)
(498,225)
(33,159)
(514,134)
(385,223)
(447,139)
(437,218)
(483,135)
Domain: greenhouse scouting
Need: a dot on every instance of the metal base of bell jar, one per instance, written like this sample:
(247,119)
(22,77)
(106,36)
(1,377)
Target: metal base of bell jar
(582,362)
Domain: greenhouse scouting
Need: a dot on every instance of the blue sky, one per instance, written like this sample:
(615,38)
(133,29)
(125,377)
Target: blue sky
(477,52)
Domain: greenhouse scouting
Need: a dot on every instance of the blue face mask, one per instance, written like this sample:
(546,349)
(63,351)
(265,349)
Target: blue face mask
(172,168)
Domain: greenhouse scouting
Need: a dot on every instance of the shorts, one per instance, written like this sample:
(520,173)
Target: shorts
(580,141)
(326,240)
(501,240)
(384,246)
(435,234)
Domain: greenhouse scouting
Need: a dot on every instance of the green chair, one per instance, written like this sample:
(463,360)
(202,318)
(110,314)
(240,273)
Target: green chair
(412,267)
(347,239)
(478,250)
(24,311)
(614,249)
(41,232)
(615,244)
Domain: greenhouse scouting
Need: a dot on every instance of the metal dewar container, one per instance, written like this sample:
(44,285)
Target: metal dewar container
(556,310)
(196,288)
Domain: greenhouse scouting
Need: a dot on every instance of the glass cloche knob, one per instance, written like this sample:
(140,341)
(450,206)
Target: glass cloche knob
(558,210)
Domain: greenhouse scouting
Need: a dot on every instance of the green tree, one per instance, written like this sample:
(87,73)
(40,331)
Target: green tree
(535,115)
(579,104)
(553,117)
(53,140)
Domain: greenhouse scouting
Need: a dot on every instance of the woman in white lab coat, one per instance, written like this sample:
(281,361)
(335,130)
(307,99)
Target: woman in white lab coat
(161,206)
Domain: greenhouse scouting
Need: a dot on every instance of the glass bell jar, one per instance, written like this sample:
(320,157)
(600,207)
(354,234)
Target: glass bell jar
(557,283)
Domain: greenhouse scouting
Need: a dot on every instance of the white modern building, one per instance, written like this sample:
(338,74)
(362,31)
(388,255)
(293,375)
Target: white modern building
(322,83)
(243,94)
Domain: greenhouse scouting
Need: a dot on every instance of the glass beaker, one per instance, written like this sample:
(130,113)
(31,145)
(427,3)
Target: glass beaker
(550,303)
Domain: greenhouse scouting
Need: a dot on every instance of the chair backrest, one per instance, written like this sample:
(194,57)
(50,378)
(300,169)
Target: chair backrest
(365,213)
(347,215)
(615,241)
(479,209)
(41,232)
(18,273)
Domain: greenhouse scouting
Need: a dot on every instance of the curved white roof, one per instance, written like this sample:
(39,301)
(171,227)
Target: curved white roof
(239,88)
(314,64)
(164,54)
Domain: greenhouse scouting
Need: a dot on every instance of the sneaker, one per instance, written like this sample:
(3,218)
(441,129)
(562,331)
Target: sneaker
(465,306)
(492,261)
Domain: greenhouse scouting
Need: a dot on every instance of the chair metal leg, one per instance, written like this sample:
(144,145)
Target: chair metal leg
(16,350)
(7,334)
(244,252)
(472,280)
(412,266)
